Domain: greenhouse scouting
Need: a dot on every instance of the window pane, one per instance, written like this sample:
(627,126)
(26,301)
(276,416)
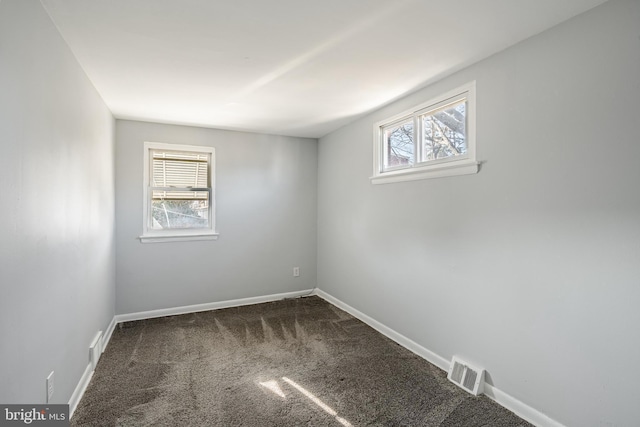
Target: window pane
(179,209)
(444,132)
(179,169)
(398,145)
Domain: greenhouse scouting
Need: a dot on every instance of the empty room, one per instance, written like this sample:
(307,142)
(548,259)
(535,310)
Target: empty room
(336,213)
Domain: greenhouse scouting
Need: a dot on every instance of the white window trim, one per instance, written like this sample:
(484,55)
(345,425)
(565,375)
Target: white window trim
(458,165)
(161,236)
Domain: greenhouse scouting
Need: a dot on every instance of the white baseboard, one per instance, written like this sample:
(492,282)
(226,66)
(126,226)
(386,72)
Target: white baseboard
(407,343)
(80,389)
(88,371)
(208,306)
(107,334)
(519,408)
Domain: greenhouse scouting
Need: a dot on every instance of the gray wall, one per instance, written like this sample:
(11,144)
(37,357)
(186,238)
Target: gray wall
(266,217)
(57,260)
(530,268)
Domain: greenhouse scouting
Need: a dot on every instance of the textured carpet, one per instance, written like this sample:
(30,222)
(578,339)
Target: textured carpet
(300,362)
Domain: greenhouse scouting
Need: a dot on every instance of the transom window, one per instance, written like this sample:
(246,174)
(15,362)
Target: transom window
(434,139)
(179,192)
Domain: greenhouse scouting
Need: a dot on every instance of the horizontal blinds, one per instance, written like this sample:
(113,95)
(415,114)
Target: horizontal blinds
(179,170)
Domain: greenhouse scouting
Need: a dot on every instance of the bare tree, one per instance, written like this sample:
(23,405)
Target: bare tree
(444,133)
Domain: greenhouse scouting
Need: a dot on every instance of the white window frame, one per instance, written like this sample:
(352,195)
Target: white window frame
(150,235)
(464,164)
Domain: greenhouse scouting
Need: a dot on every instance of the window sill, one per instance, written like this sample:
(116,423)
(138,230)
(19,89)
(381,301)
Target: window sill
(466,167)
(177,237)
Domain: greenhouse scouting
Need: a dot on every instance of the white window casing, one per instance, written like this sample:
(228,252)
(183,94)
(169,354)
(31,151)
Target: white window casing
(178,193)
(422,147)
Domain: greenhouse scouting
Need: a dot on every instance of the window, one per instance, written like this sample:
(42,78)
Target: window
(434,139)
(178,193)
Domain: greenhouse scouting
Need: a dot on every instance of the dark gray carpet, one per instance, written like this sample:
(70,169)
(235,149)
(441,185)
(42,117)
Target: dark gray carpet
(299,362)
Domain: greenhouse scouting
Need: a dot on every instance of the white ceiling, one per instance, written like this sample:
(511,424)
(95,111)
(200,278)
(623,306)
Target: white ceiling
(291,67)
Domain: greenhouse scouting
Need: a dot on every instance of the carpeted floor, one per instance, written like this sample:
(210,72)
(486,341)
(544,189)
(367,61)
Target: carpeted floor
(300,362)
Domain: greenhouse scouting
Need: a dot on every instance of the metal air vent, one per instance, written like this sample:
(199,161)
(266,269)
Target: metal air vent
(466,376)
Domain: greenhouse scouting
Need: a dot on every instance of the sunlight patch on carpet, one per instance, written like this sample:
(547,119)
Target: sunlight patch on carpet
(274,387)
(317,401)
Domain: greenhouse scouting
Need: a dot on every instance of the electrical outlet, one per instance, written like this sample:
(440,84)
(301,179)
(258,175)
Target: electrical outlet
(50,387)
(296,271)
